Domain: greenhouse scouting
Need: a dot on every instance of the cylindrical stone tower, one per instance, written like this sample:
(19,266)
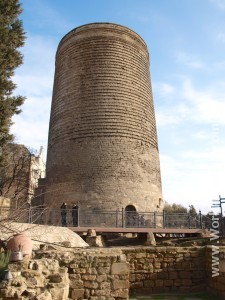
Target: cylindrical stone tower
(102,147)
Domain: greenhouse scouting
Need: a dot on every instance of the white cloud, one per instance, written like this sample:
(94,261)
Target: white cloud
(194,105)
(208,106)
(163,88)
(193,170)
(165,117)
(33,84)
(32,136)
(172,115)
(200,135)
(35,81)
(193,177)
(189,61)
(221,37)
(31,126)
(219,3)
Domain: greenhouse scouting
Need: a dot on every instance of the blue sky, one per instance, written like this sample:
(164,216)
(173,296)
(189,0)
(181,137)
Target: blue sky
(186,42)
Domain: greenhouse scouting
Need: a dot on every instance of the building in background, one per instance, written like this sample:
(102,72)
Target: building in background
(37,171)
(19,177)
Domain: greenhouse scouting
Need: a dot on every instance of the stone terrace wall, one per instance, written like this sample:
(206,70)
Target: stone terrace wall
(99,277)
(59,275)
(166,269)
(114,273)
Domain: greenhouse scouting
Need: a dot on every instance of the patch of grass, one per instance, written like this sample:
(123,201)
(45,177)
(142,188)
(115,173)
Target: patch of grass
(177,297)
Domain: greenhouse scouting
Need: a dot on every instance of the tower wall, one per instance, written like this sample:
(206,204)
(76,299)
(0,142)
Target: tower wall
(102,147)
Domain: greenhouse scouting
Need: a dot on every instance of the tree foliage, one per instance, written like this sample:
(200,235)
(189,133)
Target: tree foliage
(12,37)
(179,208)
(192,210)
(175,208)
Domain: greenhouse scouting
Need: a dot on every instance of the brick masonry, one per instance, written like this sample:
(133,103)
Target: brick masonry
(102,147)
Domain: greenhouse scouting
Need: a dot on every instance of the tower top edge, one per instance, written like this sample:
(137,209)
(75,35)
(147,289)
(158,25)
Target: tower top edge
(101,25)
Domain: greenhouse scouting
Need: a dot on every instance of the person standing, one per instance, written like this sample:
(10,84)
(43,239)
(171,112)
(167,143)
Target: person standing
(63,213)
(75,215)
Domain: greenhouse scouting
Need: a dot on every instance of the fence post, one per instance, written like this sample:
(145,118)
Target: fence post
(117,217)
(30,215)
(164,219)
(123,218)
(223,226)
(78,216)
(154,219)
(189,220)
(200,218)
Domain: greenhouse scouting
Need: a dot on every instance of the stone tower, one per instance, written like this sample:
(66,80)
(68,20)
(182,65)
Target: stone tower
(102,147)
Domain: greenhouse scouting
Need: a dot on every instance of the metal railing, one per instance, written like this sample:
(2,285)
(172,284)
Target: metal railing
(102,218)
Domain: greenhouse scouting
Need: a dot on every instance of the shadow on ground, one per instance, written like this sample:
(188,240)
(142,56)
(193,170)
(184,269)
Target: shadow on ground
(114,240)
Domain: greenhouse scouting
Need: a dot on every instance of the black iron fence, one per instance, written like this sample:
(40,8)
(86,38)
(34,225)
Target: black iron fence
(102,218)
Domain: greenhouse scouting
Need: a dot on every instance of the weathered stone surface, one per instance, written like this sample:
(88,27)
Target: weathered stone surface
(76,284)
(44,296)
(46,265)
(120,284)
(91,284)
(77,293)
(103,270)
(158,283)
(42,233)
(89,277)
(96,241)
(120,268)
(222,266)
(102,274)
(101,278)
(121,294)
(61,293)
(150,239)
(55,278)
(91,233)
(105,286)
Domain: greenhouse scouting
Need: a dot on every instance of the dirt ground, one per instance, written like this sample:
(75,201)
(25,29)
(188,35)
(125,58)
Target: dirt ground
(114,240)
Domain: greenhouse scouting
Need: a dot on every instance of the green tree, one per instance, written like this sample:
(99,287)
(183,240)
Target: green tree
(12,37)
(192,210)
(175,208)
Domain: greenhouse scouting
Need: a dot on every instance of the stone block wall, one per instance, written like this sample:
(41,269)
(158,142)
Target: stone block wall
(114,273)
(59,275)
(166,269)
(41,279)
(99,277)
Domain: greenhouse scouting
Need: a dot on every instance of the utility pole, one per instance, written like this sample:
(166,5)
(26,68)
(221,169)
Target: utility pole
(219,204)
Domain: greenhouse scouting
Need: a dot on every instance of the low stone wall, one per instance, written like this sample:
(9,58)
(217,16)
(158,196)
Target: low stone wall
(99,276)
(80,274)
(114,273)
(166,269)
